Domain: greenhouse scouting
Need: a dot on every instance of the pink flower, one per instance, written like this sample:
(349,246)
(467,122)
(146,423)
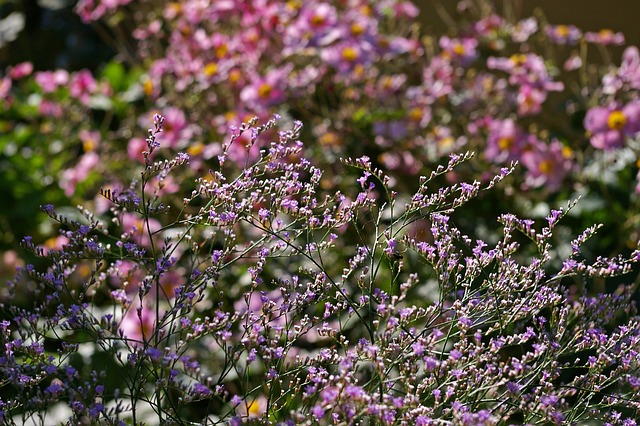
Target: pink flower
(267,91)
(71,177)
(524,29)
(605,37)
(489,26)
(47,108)
(49,81)
(135,148)
(82,86)
(90,139)
(530,100)
(21,70)
(629,71)
(563,34)
(405,9)
(176,133)
(134,225)
(462,51)
(506,141)
(609,126)
(346,55)
(437,78)
(5,87)
(138,327)
(573,62)
(547,164)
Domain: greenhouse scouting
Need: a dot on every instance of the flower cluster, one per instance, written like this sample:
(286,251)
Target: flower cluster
(243,307)
(220,271)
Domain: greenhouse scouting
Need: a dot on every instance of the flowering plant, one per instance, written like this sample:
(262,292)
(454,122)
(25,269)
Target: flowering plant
(247,278)
(259,300)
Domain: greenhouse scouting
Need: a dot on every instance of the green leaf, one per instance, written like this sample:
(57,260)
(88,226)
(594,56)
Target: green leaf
(115,74)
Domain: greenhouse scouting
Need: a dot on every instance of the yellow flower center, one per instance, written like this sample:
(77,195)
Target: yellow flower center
(317,20)
(446,142)
(518,59)
(254,409)
(546,167)
(349,54)
(356,29)
(147,87)
(329,139)
(567,152)
(605,33)
(458,49)
(264,90)
(562,31)
(415,114)
(234,76)
(88,145)
(221,51)
(195,149)
(505,143)
(210,69)
(616,120)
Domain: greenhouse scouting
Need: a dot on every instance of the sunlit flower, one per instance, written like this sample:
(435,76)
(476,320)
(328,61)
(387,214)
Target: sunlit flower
(609,126)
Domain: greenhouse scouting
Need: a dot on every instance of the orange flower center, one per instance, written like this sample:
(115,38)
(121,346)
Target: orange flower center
(264,90)
(505,143)
(317,20)
(546,167)
(562,31)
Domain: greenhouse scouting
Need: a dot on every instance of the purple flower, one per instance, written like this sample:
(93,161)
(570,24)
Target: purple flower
(547,164)
(563,34)
(605,37)
(506,141)
(609,126)
(462,51)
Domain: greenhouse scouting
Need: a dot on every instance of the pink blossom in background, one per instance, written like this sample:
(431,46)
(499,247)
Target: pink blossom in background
(48,108)
(311,26)
(346,55)
(55,243)
(92,10)
(437,78)
(138,328)
(266,91)
(489,26)
(71,177)
(563,34)
(609,126)
(135,147)
(547,164)
(20,70)
(462,51)
(176,134)
(627,74)
(530,100)
(90,139)
(524,29)
(505,142)
(49,81)
(5,87)
(133,223)
(406,9)
(629,70)
(605,37)
(82,86)
(573,62)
